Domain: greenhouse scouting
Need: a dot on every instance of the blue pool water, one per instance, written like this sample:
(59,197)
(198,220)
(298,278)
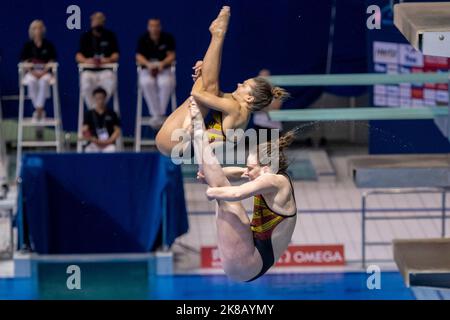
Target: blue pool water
(138,284)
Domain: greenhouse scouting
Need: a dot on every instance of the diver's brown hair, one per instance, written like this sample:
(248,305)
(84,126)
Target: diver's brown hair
(264,93)
(268,148)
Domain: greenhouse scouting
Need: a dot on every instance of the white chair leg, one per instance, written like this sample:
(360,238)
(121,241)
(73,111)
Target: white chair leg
(138,128)
(80,116)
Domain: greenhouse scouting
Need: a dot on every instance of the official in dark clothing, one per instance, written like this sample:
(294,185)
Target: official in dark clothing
(98,47)
(156,54)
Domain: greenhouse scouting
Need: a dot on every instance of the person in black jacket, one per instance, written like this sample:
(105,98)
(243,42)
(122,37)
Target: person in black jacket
(101,126)
(98,47)
(156,54)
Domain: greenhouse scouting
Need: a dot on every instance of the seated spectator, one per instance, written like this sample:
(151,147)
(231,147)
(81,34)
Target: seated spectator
(101,126)
(261,119)
(156,54)
(38,51)
(98,46)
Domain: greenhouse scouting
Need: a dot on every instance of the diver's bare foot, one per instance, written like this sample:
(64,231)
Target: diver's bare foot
(219,26)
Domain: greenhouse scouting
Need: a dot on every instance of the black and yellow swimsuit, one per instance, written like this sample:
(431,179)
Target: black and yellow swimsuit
(214,127)
(263,223)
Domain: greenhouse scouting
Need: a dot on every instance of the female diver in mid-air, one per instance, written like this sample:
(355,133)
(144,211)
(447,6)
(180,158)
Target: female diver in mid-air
(230,110)
(248,249)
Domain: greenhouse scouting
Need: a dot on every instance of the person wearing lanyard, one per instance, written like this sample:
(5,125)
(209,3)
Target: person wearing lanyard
(98,47)
(39,51)
(101,126)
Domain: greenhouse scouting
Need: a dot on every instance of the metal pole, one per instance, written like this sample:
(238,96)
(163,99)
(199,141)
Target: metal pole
(57,110)
(80,112)
(352,124)
(448,116)
(363,228)
(138,124)
(116,105)
(19,123)
(165,242)
(331,37)
(11,232)
(443,213)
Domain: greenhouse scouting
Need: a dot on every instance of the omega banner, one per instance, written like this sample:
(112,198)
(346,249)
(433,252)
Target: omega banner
(294,256)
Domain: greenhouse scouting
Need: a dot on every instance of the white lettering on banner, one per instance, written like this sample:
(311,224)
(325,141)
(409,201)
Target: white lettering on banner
(385,52)
(405,102)
(393,101)
(429,94)
(442,96)
(380,89)
(300,257)
(392,68)
(380,100)
(405,70)
(430,103)
(416,103)
(405,93)
(410,56)
(393,90)
(381,68)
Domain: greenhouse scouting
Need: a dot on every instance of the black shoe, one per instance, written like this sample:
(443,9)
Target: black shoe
(4,191)
(40,134)
(323,142)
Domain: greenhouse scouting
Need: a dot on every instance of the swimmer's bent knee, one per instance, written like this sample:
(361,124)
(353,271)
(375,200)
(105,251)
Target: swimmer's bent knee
(163,144)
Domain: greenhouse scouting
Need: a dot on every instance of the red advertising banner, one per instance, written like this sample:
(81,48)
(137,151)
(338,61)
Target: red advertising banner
(294,256)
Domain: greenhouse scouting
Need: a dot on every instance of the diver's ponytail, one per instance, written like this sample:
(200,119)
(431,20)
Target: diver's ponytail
(279,93)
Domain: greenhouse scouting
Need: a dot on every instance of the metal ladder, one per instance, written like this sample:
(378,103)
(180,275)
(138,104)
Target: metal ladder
(23,122)
(116,107)
(142,121)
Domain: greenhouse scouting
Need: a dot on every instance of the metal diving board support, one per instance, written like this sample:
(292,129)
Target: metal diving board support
(426,25)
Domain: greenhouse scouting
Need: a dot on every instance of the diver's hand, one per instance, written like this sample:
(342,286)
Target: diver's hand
(197,70)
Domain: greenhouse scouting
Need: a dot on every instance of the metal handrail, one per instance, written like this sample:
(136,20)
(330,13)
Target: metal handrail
(396,191)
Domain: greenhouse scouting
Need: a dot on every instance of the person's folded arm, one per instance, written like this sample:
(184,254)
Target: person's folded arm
(263,184)
(112,58)
(234,173)
(115,135)
(80,58)
(211,100)
(168,60)
(141,60)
